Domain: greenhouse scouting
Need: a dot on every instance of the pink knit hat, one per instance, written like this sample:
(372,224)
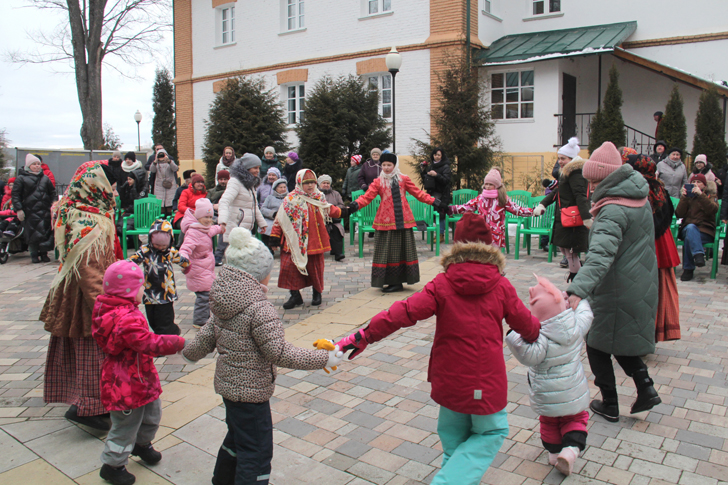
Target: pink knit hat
(602,162)
(203,208)
(30,159)
(493,177)
(123,279)
(701,158)
(546,300)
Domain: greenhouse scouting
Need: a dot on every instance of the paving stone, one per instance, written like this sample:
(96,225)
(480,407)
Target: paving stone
(416,452)
(295,427)
(353,449)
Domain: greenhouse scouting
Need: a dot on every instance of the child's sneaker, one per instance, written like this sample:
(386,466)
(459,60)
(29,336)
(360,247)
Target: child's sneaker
(147,453)
(194,325)
(565,460)
(117,475)
(552,458)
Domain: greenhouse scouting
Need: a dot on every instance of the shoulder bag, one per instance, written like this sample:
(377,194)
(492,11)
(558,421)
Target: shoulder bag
(570,216)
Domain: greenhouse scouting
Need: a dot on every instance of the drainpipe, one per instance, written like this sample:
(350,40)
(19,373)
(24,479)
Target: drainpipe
(724,113)
(467,31)
(599,85)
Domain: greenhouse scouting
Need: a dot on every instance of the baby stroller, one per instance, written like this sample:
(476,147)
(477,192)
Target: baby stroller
(12,245)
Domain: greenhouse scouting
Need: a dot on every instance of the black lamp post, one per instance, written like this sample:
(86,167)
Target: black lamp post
(138,119)
(394,62)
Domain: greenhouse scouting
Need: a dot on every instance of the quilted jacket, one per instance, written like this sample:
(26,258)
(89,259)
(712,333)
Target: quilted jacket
(197,247)
(187,200)
(129,378)
(394,211)
(619,276)
(248,334)
(556,377)
(33,193)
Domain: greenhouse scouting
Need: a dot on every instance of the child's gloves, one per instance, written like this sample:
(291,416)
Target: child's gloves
(181,344)
(539,210)
(356,341)
(335,353)
(450,210)
(187,269)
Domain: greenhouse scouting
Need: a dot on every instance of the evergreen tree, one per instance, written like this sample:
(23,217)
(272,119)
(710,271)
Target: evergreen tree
(245,113)
(673,128)
(709,137)
(608,124)
(164,128)
(463,127)
(111,139)
(341,120)
(3,146)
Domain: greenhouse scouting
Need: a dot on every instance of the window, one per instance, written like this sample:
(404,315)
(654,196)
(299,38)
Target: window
(487,6)
(382,85)
(294,14)
(379,6)
(295,101)
(511,95)
(539,6)
(228,25)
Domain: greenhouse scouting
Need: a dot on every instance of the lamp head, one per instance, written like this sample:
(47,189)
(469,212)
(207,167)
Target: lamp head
(138,117)
(393,60)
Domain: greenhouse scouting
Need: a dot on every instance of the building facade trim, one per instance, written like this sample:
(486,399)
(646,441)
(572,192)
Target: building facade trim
(685,39)
(292,76)
(217,3)
(377,64)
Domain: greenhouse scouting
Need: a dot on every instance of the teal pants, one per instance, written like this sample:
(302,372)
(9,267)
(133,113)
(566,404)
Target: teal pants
(470,443)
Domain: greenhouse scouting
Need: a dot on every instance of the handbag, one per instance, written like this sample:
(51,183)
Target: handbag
(167,184)
(570,216)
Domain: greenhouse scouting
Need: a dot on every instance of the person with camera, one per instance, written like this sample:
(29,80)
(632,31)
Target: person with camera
(165,183)
(437,181)
(697,211)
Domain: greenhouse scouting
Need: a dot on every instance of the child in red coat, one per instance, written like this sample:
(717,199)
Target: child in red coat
(467,369)
(130,386)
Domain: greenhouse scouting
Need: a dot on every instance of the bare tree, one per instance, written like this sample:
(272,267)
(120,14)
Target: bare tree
(127,29)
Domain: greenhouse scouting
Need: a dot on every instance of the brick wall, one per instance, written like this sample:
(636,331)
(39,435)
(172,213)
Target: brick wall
(184,101)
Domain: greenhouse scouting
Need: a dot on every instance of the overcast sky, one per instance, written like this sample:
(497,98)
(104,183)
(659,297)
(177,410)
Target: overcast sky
(38,103)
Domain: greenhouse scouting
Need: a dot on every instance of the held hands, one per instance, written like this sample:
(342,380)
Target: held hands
(356,341)
(21,215)
(451,210)
(353,207)
(437,204)
(336,356)
(588,223)
(274,242)
(574,301)
(539,210)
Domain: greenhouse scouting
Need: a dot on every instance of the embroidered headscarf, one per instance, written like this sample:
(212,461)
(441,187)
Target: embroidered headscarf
(626,152)
(648,169)
(387,178)
(294,218)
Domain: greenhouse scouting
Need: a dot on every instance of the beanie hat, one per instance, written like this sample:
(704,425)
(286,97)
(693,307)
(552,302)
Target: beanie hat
(293,156)
(188,174)
(701,158)
(546,301)
(116,153)
(30,159)
(571,149)
(249,161)
(700,177)
(123,278)
(356,159)
(203,208)
(269,150)
(275,171)
(657,113)
(130,156)
(388,157)
(660,143)
(675,149)
(161,237)
(493,177)
(602,162)
(196,177)
(279,182)
(11,180)
(375,150)
(324,178)
(249,254)
(223,175)
(473,228)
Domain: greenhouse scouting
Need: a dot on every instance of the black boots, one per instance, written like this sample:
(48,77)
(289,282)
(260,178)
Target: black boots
(44,258)
(687,275)
(147,453)
(316,301)
(95,422)
(699,260)
(295,300)
(117,475)
(647,397)
(608,407)
(392,288)
(34,258)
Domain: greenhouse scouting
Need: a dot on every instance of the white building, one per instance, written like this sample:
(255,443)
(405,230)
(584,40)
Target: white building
(546,55)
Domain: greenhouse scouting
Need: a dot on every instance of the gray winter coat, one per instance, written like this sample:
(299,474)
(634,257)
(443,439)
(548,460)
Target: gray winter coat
(248,334)
(619,276)
(673,175)
(556,376)
(271,204)
(165,171)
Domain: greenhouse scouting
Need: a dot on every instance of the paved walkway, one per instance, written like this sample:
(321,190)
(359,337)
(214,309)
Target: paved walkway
(373,420)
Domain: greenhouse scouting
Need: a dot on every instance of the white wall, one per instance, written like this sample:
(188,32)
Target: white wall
(703,59)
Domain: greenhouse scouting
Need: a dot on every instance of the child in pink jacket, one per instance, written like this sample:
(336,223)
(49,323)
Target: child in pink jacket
(197,247)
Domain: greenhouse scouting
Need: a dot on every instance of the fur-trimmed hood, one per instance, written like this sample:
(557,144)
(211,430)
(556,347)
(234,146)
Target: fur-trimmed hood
(576,164)
(473,268)
(249,181)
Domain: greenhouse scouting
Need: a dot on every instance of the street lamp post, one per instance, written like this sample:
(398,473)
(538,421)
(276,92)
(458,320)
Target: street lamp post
(138,119)
(394,62)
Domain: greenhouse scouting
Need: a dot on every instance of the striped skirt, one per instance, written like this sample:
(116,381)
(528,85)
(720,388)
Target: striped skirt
(395,258)
(667,323)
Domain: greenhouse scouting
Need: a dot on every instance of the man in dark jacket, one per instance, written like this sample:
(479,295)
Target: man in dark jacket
(214,194)
(660,152)
(697,210)
(115,166)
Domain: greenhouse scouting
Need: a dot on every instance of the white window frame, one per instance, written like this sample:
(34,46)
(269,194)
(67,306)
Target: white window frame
(382,79)
(297,102)
(377,7)
(294,15)
(548,6)
(488,6)
(522,89)
(227,25)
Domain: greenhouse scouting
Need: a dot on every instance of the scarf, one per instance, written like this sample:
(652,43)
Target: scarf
(490,194)
(130,168)
(84,219)
(672,163)
(294,222)
(623,201)
(246,178)
(648,169)
(227,161)
(387,179)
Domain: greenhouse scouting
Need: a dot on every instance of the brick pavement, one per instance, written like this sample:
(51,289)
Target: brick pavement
(373,421)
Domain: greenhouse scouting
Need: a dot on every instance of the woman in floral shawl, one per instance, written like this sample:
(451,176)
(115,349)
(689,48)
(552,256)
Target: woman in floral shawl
(301,224)
(84,233)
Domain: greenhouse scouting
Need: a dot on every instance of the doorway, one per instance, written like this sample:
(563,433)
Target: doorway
(568,109)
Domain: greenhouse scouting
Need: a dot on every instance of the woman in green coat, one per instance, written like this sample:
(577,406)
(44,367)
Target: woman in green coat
(619,278)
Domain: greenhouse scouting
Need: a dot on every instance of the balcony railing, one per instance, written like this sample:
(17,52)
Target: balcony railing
(641,142)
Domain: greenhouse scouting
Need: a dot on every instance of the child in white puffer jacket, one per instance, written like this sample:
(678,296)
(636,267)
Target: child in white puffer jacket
(559,389)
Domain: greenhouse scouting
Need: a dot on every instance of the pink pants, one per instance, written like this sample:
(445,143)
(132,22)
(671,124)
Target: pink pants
(554,431)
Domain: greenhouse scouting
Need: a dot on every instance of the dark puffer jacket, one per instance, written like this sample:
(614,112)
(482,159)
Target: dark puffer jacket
(129,193)
(34,193)
(572,191)
(439,185)
(289,172)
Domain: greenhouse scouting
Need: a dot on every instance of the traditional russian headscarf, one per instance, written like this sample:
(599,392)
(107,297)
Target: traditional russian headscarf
(648,168)
(387,178)
(293,219)
(626,152)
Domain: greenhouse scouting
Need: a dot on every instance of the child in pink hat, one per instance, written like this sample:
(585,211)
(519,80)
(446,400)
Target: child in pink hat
(130,387)
(492,204)
(197,247)
(559,389)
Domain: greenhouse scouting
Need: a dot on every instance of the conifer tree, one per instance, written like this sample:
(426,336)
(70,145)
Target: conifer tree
(341,119)
(709,137)
(164,127)
(608,124)
(245,115)
(673,128)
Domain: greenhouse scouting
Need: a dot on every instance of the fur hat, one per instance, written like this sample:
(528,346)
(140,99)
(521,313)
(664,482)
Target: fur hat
(223,175)
(700,178)
(356,159)
(130,156)
(375,150)
(324,178)
(602,162)
(249,161)
(387,157)
(203,208)
(473,228)
(675,149)
(123,278)
(493,177)
(701,158)
(196,177)
(269,150)
(187,174)
(546,300)
(30,159)
(293,156)
(571,149)
(247,253)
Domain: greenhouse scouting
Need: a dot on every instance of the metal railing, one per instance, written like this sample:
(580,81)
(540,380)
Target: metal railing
(640,141)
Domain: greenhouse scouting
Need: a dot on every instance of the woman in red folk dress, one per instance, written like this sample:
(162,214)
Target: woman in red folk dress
(395,252)
(301,225)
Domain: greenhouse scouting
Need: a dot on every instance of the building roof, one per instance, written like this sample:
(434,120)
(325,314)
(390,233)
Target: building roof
(537,46)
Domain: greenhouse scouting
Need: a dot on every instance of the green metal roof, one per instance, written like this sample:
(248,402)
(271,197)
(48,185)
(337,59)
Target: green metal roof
(537,46)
